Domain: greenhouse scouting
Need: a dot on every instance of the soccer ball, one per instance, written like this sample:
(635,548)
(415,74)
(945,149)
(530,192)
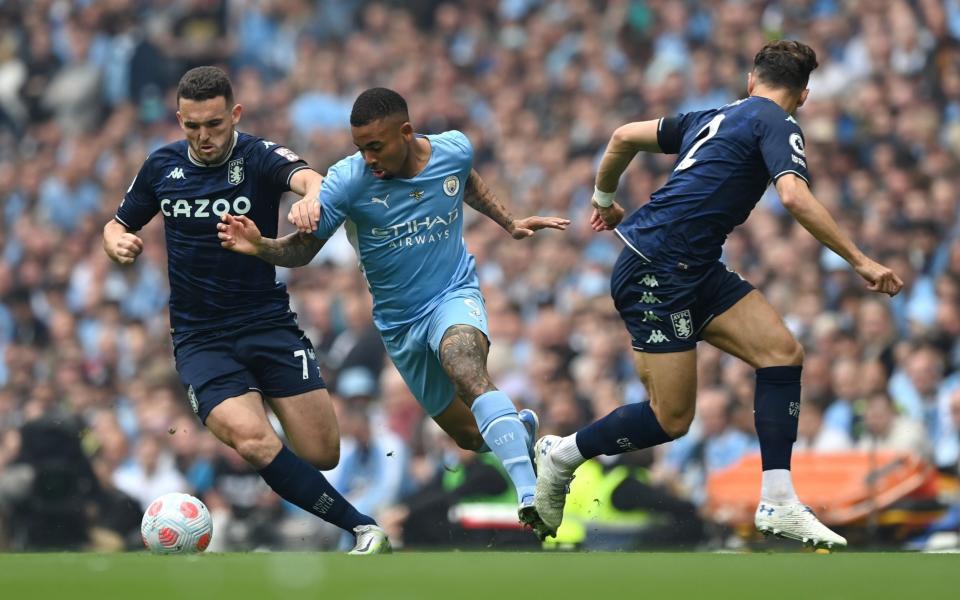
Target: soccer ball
(176,524)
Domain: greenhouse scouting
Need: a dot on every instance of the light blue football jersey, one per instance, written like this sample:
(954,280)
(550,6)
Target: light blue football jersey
(408,233)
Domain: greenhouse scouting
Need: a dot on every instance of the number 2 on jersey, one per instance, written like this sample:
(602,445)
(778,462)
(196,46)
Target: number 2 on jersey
(710,129)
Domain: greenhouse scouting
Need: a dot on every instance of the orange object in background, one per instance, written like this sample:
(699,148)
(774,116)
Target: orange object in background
(841,487)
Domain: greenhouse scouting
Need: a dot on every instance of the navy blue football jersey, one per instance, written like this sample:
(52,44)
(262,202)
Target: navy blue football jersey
(727,158)
(212,287)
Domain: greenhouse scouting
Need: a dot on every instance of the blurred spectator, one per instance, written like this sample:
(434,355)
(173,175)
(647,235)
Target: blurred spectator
(814,434)
(151,473)
(884,429)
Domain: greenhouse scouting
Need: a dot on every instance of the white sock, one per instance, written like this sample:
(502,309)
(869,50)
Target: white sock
(777,487)
(567,455)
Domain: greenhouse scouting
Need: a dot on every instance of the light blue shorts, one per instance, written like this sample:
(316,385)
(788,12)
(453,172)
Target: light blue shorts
(415,349)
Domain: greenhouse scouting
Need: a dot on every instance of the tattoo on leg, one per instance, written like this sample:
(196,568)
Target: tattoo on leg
(463,354)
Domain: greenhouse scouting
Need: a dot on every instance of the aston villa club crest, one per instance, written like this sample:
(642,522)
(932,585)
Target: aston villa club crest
(451,185)
(682,324)
(235,171)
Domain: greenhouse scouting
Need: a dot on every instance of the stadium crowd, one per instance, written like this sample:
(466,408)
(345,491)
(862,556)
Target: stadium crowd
(87,90)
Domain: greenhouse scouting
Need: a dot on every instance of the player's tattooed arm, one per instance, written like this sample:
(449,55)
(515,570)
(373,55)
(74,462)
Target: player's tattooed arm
(478,195)
(240,234)
(482,199)
(294,250)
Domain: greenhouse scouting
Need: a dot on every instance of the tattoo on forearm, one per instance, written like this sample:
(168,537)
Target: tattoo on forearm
(482,199)
(463,355)
(294,250)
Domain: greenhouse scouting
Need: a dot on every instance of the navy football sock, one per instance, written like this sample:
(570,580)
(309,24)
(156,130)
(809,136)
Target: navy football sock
(775,412)
(630,427)
(296,481)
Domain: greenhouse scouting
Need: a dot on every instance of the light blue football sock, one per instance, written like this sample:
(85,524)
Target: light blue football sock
(506,436)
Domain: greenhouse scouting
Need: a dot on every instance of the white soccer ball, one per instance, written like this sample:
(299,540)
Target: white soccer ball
(176,524)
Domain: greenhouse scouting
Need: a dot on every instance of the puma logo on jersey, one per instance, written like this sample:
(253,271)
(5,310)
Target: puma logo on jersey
(176,173)
(382,201)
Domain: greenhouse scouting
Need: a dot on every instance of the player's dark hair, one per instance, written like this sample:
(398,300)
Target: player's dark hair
(377,103)
(204,83)
(785,64)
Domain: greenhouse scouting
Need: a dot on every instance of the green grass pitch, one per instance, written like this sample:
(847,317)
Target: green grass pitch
(481,575)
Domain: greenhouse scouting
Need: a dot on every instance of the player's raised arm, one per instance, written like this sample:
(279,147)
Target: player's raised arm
(240,234)
(121,245)
(626,141)
(305,213)
(482,199)
(807,210)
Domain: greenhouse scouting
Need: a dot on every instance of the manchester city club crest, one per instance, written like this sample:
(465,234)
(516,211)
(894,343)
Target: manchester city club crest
(682,324)
(451,185)
(235,171)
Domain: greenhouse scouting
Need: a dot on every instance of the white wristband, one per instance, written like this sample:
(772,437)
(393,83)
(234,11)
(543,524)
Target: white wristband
(603,199)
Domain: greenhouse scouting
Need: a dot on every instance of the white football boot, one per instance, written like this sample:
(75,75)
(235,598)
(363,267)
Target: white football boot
(796,521)
(371,539)
(553,484)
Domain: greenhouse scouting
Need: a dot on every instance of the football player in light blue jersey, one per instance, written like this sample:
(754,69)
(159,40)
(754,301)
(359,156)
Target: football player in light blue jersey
(401,199)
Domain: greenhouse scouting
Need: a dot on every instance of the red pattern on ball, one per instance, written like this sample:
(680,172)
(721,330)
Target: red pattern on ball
(189,510)
(203,542)
(168,537)
(155,508)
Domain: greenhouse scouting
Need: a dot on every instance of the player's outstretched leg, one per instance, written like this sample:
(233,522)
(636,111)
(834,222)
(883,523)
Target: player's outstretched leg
(241,423)
(463,356)
(506,436)
(753,331)
(780,513)
(298,482)
(627,428)
(671,382)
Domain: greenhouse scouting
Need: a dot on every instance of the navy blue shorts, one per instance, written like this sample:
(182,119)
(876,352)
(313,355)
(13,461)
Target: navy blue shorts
(665,307)
(273,358)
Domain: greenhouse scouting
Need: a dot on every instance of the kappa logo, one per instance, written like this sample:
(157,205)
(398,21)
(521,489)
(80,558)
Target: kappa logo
(176,173)
(382,201)
(657,337)
(651,317)
(649,281)
(235,171)
(192,396)
(648,298)
(451,185)
(682,324)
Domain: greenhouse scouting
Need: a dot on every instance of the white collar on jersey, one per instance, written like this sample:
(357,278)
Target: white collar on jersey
(226,157)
